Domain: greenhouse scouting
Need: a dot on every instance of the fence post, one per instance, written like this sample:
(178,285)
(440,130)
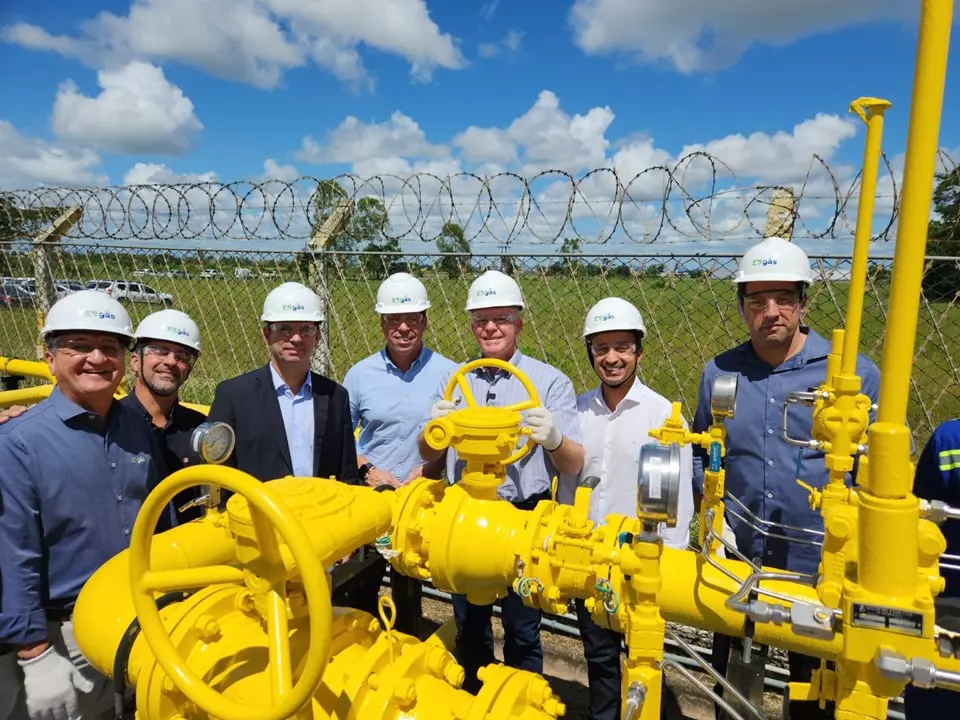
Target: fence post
(319,242)
(43,248)
(780,214)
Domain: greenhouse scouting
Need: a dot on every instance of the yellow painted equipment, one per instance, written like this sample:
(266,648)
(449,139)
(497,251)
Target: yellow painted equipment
(252,633)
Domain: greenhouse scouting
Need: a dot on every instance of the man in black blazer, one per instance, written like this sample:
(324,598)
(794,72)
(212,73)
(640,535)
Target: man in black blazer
(292,421)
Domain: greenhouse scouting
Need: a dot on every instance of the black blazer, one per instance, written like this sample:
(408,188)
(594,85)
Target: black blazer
(249,403)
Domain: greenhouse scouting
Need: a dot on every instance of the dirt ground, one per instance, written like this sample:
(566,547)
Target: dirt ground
(565,669)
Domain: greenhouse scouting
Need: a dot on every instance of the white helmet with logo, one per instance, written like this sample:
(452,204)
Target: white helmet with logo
(292,302)
(612,314)
(401,293)
(88,311)
(494,289)
(172,326)
(774,259)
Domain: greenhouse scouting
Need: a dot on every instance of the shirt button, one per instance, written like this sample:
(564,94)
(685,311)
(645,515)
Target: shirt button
(772,400)
(770,463)
(769,431)
(769,553)
(126,531)
(119,497)
(769,496)
(113,465)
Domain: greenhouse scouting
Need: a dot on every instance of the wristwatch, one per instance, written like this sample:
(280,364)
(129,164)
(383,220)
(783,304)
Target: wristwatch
(365,470)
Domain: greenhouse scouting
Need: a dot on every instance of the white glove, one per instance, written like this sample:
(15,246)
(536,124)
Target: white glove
(545,431)
(441,408)
(51,682)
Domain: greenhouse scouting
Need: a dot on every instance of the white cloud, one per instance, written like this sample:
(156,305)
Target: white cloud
(693,35)
(354,141)
(480,145)
(257,41)
(274,171)
(511,42)
(26,162)
(159,174)
(137,111)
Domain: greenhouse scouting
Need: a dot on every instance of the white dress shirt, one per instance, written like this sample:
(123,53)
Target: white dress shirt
(611,441)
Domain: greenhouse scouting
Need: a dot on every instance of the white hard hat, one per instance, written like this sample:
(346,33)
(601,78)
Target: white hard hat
(494,289)
(292,302)
(170,325)
(774,259)
(88,311)
(612,314)
(401,293)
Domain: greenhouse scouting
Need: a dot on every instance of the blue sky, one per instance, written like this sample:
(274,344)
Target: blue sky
(199,90)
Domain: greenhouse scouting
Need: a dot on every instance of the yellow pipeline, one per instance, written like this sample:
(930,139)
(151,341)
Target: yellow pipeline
(25,368)
(25,396)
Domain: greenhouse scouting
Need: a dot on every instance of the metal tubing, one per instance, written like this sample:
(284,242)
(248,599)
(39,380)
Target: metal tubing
(870,111)
(26,368)
(25,396)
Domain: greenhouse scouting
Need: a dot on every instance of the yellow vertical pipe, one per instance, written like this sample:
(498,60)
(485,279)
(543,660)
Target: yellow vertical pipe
(870,110)
(922,139)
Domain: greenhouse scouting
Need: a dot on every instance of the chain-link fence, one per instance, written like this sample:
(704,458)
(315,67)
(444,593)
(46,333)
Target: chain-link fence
(688,304)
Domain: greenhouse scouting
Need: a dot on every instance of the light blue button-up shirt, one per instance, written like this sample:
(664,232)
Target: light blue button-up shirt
(297,411)
(761,468)
(71,485)
(391,405)
(533,474)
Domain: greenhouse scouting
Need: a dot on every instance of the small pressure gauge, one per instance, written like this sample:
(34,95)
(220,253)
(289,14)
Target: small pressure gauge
(213,442)
(723,398)
(658,484)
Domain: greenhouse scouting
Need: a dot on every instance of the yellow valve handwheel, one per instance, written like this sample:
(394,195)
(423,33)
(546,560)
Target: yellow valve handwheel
(270,516)
(459,379)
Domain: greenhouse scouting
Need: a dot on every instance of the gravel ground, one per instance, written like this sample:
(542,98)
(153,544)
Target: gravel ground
(565,669)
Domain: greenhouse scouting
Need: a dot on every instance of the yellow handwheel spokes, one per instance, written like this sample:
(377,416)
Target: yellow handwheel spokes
(269,518)
(459,379)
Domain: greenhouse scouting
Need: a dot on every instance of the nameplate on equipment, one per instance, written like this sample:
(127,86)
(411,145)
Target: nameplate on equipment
(887,618)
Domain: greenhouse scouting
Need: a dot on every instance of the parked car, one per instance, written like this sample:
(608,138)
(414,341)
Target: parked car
(210,274)
(14,295)
(131,291)
(67,287)
(243,273)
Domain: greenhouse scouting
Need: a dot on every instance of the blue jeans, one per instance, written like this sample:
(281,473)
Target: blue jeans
(521,641)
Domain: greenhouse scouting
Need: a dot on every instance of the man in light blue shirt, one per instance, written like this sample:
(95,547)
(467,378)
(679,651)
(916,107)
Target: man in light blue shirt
(781,356)
(495,302)
(296,409)
(390,395)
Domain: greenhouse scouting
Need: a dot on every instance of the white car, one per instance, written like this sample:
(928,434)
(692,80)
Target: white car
(131,291)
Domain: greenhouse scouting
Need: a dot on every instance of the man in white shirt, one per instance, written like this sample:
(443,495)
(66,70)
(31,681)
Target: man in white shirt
(615,418)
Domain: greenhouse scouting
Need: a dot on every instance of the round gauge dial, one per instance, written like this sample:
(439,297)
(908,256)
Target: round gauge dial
(213,442)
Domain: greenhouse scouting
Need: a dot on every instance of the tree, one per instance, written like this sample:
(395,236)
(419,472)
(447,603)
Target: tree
(942,281)
(18,224)
(452,240)
(370,225)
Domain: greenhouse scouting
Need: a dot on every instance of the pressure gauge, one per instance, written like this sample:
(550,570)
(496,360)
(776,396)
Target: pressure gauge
(658,484)
(723,398)
(213,442)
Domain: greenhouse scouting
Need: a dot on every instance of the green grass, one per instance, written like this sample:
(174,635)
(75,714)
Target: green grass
(688,322)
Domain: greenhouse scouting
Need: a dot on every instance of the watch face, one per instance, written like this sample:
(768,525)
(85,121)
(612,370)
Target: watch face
(214,442)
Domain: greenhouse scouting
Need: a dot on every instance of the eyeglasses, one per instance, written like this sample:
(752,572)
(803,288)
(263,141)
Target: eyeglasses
(623,348)
(787,300)
(287,330)
(498,320)
(184,357)
(408,318)
(74,347)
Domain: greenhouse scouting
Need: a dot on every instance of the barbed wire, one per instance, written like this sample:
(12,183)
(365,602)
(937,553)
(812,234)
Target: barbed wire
(698,198)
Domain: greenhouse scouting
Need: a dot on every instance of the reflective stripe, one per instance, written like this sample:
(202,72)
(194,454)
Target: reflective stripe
(947,461)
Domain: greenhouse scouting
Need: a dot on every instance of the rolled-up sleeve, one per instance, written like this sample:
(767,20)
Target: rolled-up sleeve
(23,619)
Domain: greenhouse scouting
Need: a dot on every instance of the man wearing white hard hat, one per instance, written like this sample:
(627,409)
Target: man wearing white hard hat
(495,303)
(781,356)
(168,346)
(390,393)
(615,418)
(76,469)
(289,420)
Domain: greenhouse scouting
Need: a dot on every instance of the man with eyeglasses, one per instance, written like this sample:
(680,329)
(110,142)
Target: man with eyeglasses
(615,418)
(289,420)
(75,472)
(390,395)
(494,302)
(781,356)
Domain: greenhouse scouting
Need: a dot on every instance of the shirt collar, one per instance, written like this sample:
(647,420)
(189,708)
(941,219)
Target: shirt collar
(634,396)
(493,373)
(421,358)
(815,347)
(133,402)
(280,385)
(66,409)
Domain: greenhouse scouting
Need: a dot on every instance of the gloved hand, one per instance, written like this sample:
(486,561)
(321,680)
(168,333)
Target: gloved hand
(441,408)
(51,682)
(545,430)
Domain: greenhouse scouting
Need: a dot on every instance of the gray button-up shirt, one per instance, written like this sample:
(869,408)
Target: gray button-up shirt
(533,474)
(761,468)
